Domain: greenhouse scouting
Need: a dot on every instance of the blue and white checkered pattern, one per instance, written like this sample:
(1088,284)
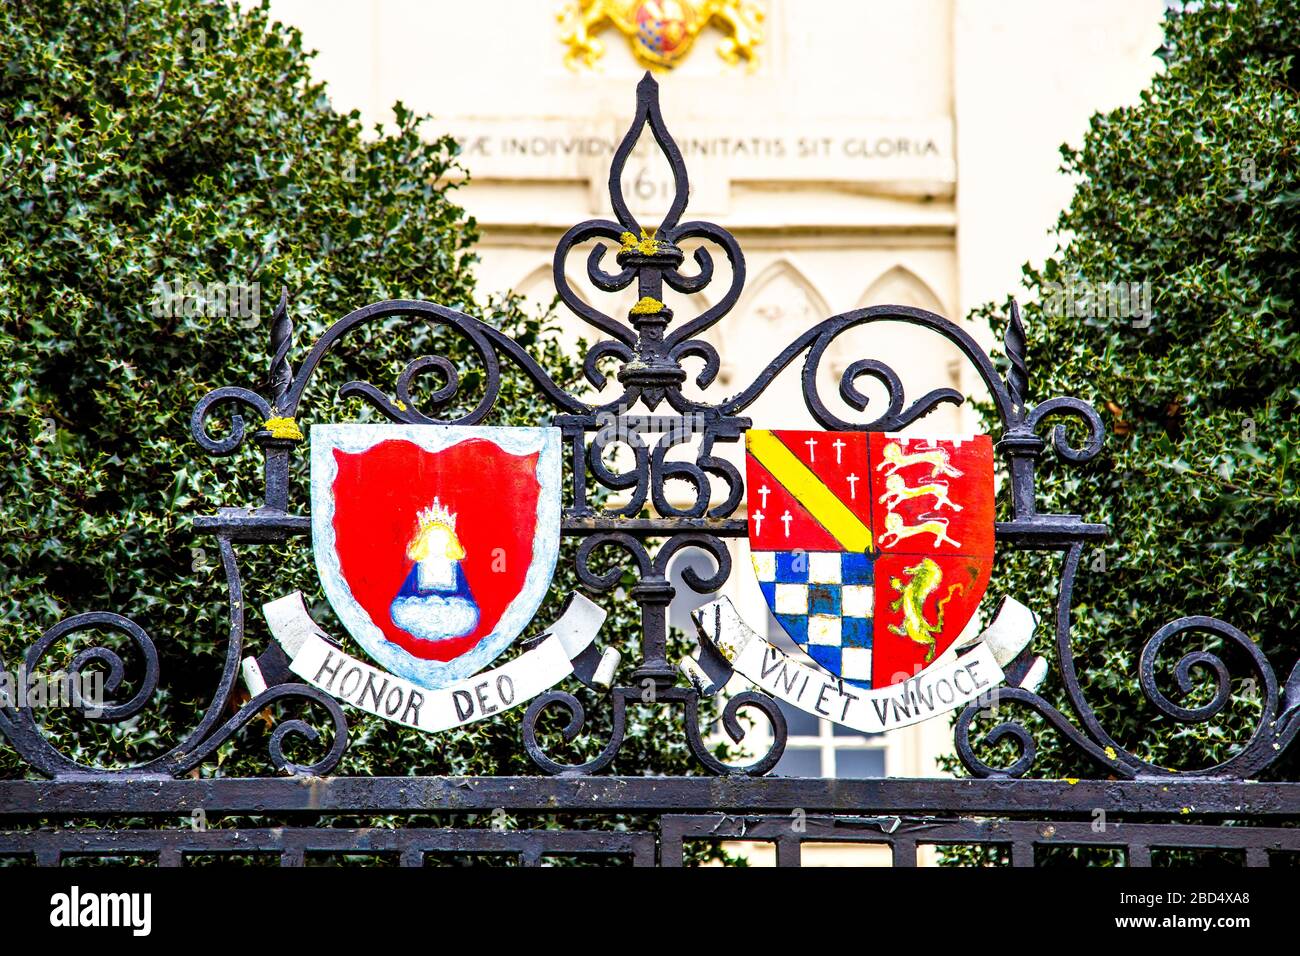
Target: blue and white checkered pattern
(823,599)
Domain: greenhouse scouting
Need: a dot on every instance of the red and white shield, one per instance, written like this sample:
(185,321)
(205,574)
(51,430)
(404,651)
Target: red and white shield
(872,549)
(435,544)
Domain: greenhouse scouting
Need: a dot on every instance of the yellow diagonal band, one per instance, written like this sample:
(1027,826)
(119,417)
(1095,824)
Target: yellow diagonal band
(822,503)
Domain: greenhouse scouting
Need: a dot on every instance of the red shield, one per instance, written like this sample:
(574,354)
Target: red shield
(435,545)
(872,549)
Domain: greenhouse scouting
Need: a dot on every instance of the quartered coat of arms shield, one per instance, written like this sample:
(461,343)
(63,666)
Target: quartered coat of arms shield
(435,544)
(872,549)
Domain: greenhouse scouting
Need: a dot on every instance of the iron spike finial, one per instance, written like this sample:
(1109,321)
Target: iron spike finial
(281,341)
(1018,373)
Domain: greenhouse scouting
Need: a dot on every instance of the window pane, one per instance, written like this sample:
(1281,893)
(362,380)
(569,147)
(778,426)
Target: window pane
(798,762)
(850,732)
(799,723)
(860,763)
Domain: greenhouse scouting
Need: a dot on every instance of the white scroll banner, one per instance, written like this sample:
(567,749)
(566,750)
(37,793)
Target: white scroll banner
(950,682)
(321,663)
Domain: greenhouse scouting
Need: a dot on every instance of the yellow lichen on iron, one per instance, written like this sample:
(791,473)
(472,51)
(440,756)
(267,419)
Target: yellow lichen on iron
(646,245)
(280,427)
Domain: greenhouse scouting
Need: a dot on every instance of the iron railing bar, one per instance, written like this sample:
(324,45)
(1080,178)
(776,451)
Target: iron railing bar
(530,846)
(122,795)
(789,851)
(903,850)
(1257,856)
(654,527)
(1138,855)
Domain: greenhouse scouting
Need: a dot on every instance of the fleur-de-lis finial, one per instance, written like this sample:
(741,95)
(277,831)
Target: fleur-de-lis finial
(651,258)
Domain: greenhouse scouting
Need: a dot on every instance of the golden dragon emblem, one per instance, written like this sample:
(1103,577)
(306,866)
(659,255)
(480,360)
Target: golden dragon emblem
(925,578)
(661,32)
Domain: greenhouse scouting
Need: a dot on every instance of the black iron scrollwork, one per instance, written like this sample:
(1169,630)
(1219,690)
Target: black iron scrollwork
(1021,445)
(646,527)
(28,738)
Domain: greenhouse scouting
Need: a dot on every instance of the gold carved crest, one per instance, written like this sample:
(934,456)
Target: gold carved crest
(661,32)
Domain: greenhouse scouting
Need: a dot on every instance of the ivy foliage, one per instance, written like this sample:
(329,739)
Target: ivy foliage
(185,143)
(1188,200)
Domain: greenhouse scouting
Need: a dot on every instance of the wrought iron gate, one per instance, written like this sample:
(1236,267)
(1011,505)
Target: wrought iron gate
(1146,807)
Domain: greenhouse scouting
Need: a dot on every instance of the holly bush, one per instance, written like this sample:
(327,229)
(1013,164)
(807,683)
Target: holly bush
(1170,306)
